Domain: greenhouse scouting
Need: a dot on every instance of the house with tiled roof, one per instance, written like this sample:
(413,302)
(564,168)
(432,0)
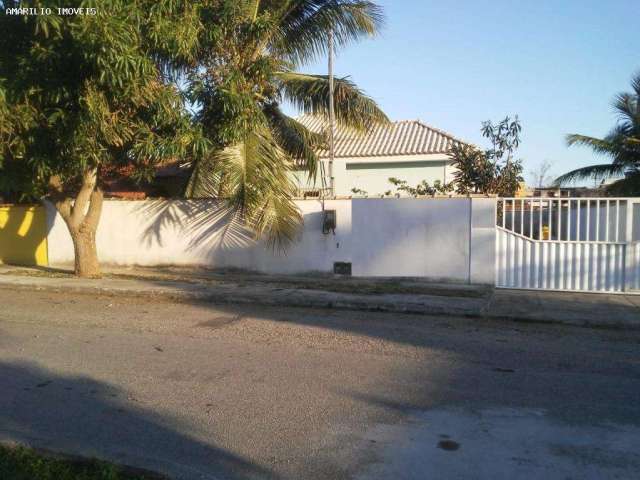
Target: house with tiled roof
(408,150)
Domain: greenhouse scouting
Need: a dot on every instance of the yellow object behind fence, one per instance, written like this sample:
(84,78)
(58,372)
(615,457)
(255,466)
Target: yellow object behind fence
(23,235)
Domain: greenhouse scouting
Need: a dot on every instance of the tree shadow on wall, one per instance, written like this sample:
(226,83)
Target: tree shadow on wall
(83,416)
(207,224)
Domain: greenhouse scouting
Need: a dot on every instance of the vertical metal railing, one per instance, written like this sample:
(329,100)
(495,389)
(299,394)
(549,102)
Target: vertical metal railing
(567,243)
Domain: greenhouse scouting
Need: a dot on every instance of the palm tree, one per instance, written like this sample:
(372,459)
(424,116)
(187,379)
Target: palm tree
(622,144)
(247,68)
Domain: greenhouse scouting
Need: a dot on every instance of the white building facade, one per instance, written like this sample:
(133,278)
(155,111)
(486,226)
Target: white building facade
(407,150)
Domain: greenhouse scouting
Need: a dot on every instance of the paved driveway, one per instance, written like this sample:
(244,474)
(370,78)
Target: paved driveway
(203,392)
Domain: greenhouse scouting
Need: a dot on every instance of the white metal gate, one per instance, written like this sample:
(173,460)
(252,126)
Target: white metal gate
(572,244)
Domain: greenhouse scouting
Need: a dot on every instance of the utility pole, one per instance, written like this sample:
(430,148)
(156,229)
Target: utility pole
(332,118)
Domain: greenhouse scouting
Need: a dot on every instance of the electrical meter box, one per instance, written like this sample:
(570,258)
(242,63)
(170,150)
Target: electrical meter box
(329,221)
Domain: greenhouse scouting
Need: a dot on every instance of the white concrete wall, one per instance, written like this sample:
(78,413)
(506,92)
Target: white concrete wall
(483,241)
(440,239)
(412,237)
(372,174)
(181,232)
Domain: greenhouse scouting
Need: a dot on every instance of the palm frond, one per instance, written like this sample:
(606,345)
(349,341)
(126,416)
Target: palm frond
(618,144)
(625,145)
(253,7)
(246,71)
(635,84)
(252,177)
(310,93)
(596,172)
(598,145)
(626,187)
(305,26)
(622,143)
(626,106)
(619,134)
(205,179)
(295,139)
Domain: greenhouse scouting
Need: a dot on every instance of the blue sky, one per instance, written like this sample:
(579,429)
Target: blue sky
(453,64)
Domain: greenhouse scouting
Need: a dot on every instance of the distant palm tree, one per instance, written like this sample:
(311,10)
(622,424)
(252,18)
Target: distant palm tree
(247,69)
(622,144)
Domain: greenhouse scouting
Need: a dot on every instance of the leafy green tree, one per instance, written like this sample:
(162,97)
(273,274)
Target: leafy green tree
(622,145)
(504,137)
(81,95)
(247,67)
(507,178)
(84,92)
(474,172)
(493,171)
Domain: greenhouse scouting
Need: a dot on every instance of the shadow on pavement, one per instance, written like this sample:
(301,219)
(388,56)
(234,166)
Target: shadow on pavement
(96,419)
(523,365)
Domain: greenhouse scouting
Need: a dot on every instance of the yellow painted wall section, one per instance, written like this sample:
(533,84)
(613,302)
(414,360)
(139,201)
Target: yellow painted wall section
(23,235)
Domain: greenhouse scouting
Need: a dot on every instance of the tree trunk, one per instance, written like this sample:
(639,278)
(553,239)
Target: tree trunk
(82,216)
(86,253)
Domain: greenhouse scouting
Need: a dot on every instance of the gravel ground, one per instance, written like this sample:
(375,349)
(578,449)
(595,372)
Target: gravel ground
(202,391)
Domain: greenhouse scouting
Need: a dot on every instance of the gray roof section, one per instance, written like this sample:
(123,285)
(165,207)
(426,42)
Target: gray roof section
(408,137)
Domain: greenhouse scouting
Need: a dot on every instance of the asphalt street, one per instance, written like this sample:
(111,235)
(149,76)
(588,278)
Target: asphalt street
(198,391)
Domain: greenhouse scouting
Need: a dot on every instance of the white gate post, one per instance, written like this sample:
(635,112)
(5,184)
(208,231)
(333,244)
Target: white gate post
(482,244)
(630,258)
